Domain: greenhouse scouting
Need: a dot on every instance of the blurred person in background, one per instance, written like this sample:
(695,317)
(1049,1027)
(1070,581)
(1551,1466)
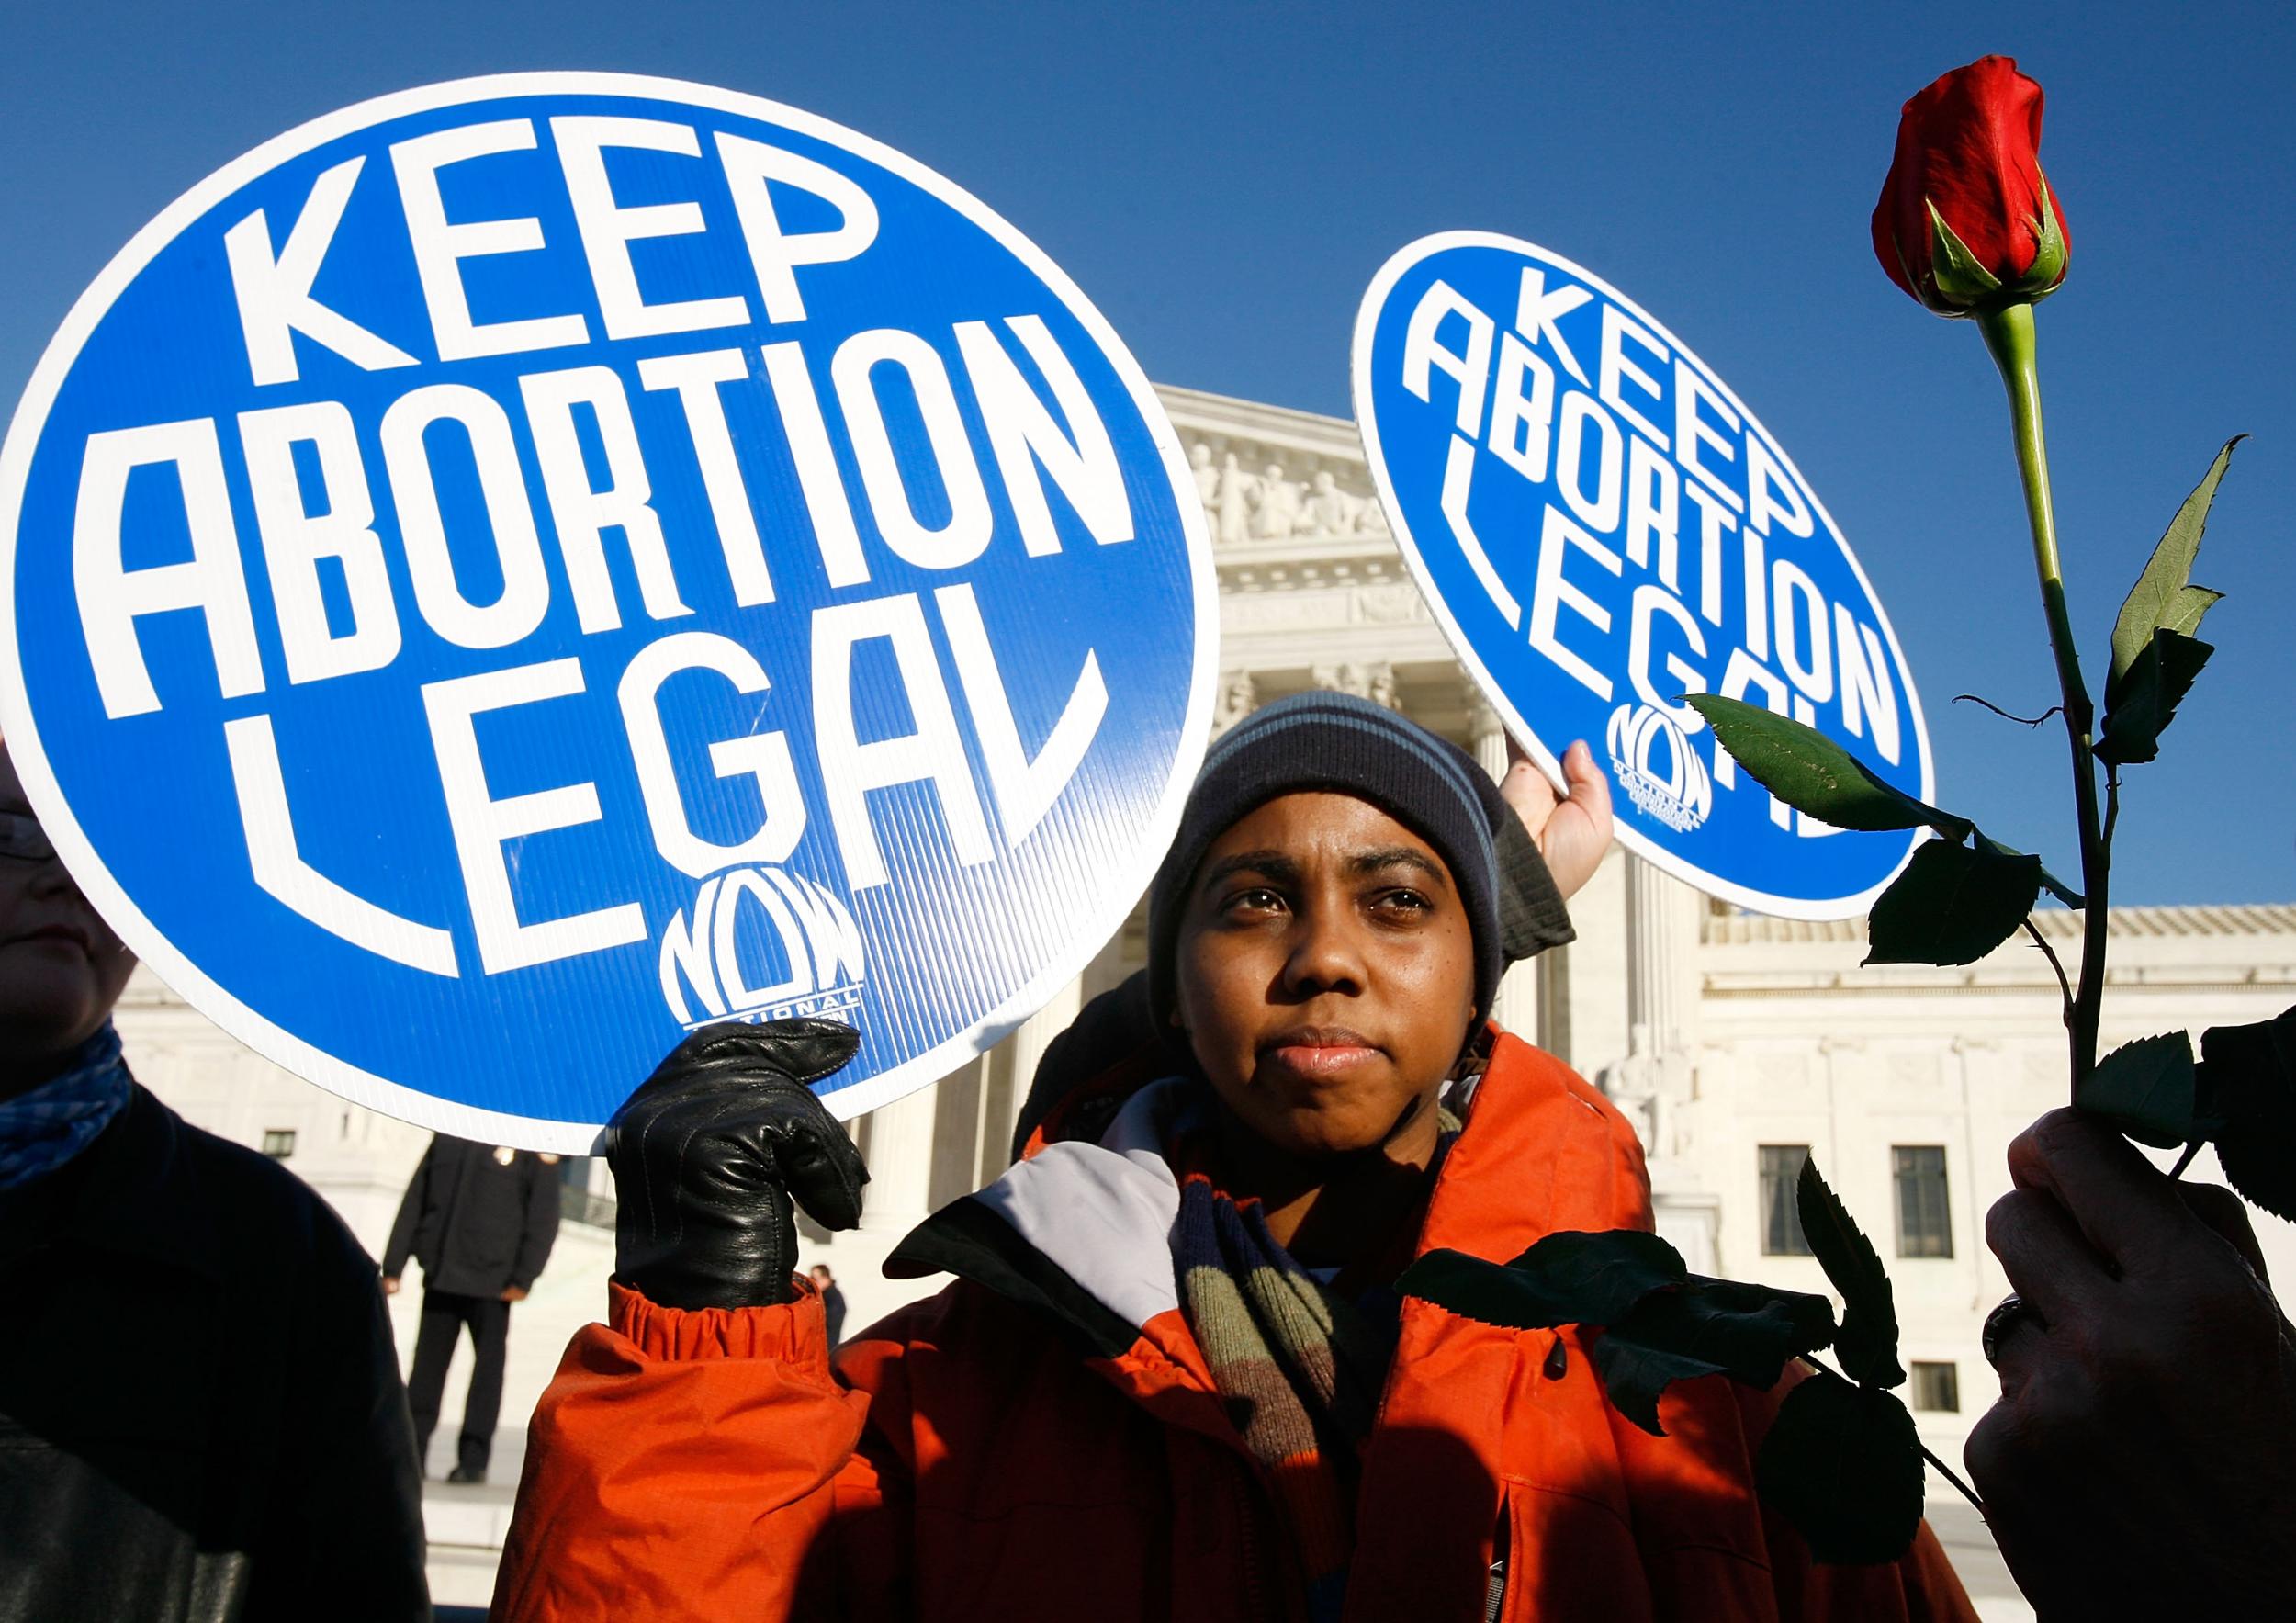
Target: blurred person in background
(201,1413)
(832,1303)
(482,1220)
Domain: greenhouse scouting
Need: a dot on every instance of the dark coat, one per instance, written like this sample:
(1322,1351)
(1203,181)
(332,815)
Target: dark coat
(475,1223)
(201,1419)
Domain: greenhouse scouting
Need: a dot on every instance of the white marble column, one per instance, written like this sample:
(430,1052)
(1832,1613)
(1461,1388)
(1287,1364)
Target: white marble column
(1661,958)
(1517,1007)
(900,1162)
(1657,1083)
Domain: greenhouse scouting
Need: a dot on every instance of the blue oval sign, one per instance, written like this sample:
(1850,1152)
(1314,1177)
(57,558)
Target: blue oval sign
(1602,526)
(510,572)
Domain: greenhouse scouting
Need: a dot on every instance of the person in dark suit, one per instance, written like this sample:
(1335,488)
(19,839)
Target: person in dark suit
(480,1219)
(832,1302)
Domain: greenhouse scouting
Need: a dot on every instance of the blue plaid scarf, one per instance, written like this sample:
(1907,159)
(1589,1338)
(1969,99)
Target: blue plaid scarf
(41,1130)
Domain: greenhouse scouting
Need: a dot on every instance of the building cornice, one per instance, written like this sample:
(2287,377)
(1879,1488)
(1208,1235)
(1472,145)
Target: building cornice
(2261,918)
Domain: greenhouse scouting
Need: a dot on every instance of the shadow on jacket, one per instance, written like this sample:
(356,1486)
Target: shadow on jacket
(201,1413)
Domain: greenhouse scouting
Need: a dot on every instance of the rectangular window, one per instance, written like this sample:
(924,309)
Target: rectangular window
(1781,1216)
(1925,1225)
(278,1143)
(1937,1386)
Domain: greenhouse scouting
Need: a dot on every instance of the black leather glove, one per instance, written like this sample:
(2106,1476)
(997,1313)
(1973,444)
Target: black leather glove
(707,1154)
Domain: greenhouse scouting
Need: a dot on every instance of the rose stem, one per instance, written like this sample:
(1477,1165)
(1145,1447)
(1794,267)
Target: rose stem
(2009,334)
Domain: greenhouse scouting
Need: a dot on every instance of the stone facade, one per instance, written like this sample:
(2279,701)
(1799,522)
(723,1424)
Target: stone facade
(1719,1033)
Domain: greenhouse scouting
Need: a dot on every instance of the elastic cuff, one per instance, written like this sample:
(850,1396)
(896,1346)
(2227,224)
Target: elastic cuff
(1533,916)
(792,1333)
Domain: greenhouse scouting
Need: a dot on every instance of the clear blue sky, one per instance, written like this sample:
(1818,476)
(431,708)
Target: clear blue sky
(1222,180)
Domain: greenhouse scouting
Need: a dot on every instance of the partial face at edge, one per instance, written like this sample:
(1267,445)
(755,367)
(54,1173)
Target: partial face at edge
(62,969)
(1325,971)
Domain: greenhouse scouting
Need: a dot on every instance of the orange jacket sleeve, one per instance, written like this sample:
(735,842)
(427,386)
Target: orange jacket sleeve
(699,1466)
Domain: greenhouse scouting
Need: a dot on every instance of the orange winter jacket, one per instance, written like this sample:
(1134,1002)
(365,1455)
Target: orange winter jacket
(1041,1441)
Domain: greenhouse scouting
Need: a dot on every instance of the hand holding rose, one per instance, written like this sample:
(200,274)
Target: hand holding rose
(2141,1460)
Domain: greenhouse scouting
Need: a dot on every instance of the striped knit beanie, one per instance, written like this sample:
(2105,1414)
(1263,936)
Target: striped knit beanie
(1333,742)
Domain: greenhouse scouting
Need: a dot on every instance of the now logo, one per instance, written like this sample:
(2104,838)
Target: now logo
(763,945)
(1654,762)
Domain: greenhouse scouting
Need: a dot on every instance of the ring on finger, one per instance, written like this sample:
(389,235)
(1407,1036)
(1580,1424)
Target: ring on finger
(2000,1321)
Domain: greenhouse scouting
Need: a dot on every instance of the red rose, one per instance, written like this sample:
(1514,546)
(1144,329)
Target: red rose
(1966,220)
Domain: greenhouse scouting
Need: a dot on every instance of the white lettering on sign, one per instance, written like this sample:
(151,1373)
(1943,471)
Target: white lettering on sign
(485,431)
(751,170)
(279,868)
(483,825)
(817,477)
(1537,310)
(763,757)
(274,291)
(964,535)
(932,751)
(546,480)
(295,540)
(1522,424)
(1025,789)
(1424,353)
(700,380)
(1618,369)
(820,950)
(1657,480)
(608,228)
(113,597)
(440,247)
(581,511)
(1552,594)
(1026,437)
(1458,474)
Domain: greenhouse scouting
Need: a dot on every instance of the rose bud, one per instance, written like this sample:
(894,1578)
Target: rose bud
(1966,222)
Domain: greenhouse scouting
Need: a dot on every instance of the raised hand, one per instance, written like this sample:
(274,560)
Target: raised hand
(1571,831)
(708,1152)
(2141,1460)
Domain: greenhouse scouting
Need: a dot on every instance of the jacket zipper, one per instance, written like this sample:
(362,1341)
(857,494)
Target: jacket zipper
(1495,1591)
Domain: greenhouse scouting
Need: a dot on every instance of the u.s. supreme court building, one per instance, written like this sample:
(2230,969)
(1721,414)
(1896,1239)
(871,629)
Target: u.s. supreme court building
(1739,1044)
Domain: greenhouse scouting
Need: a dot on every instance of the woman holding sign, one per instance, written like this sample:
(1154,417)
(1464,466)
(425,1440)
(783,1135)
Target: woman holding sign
(1173,1378)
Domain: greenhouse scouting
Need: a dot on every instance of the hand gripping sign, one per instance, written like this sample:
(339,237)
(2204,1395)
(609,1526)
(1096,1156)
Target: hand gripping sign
(1602,527)
(510,572)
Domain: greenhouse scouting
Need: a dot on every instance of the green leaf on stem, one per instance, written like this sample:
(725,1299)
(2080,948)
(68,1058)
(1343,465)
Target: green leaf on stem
(1843,1465)
(1705,1327)
(1867,1346)
(2148,1090)
(1953,904)
(2248,1084)
(1812,774)
(2163,597)
(2141,702)
(2185,615)
(1566,1279)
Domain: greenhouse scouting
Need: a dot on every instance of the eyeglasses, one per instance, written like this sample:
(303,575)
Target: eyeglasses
(22,840)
